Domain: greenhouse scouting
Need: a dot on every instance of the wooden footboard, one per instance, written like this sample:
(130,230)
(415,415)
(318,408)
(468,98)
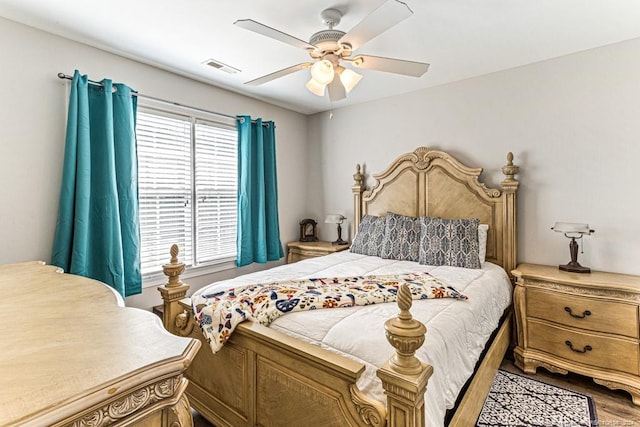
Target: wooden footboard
(263,377)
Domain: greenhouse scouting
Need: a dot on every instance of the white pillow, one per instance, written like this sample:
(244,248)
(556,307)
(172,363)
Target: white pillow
(482,242)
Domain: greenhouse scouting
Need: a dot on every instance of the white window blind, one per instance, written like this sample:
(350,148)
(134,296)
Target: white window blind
(216,169)
(187,180)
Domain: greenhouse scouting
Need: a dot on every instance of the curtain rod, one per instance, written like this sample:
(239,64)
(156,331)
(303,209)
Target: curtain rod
(153,98)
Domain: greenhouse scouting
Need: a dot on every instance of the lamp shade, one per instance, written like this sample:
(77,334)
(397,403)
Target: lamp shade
(334,219)
(349,79)
(572,228)
(315,87)
(322,72)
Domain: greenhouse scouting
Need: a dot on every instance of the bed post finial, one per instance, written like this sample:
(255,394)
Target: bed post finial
(406,335)
(174,269)
(357,189)
(404,377)
(358,177)
(510,170)
(172,291)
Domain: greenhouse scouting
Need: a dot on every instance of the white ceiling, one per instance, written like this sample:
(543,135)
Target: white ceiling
(459,38)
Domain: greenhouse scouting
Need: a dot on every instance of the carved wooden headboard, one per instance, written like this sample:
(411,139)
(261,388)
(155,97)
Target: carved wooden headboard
(433,183)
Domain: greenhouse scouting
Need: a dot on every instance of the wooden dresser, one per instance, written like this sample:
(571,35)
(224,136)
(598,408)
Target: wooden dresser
(298,251)
(584,323)
(73,355)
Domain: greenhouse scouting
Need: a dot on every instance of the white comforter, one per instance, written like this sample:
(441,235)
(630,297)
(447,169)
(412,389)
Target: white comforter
(456,330)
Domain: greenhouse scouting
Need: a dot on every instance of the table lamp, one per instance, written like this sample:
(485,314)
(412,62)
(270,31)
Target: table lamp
(573,231)
(336,219)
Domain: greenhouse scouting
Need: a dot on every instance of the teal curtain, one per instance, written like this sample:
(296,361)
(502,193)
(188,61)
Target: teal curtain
(97,232)
(258,227)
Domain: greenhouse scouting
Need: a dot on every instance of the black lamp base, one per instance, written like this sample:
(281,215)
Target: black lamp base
(574,267)
(339,241)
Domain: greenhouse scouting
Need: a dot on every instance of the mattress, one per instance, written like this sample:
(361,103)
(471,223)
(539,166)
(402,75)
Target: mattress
(457,330)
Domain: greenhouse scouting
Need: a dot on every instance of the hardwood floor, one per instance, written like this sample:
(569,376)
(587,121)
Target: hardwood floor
(614,408)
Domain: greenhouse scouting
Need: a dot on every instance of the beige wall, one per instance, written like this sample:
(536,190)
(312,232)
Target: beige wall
(573,124)
(32,126)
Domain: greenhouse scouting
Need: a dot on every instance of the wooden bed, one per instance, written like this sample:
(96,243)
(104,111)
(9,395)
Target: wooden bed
(263,377)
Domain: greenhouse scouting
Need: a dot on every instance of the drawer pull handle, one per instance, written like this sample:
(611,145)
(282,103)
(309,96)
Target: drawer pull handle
(584,350)
(584,313)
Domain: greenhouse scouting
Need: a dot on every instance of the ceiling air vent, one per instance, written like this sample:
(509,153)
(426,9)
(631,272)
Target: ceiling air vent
(220,66)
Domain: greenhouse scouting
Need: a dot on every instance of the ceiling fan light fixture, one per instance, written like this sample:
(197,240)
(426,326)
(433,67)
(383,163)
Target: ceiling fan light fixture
(315,87)
(322,72)
(349,79)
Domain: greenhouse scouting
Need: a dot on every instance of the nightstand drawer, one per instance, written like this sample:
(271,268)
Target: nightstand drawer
(583,312)
(296,255)
(590,349)
(297,251)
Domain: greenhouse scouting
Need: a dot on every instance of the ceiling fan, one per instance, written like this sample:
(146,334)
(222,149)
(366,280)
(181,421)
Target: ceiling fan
(331,48)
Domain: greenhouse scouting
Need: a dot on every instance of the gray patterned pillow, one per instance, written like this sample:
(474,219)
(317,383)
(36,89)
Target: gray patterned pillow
(370,236)
(402,237)
(451,242)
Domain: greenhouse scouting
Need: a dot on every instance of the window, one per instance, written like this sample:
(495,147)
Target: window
(187,180)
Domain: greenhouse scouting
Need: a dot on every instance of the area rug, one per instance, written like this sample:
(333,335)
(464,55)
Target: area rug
(515,400)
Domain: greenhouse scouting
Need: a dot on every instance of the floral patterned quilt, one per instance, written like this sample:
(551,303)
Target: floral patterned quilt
(219,313)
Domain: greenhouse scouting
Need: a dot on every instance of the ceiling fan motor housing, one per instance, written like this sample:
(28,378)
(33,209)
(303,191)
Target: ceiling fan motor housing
(326,41)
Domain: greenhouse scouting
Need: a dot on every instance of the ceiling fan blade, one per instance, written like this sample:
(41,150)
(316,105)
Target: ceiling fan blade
(390,65)
(380,20)
(336,89)
(278,74)
(256,27)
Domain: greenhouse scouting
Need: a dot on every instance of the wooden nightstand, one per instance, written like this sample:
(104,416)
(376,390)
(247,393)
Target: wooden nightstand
(581,322)
(303,250)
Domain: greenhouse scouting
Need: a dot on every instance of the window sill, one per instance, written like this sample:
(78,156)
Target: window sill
(159,279)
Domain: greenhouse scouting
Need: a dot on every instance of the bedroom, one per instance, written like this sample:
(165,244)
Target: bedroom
(571,122)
